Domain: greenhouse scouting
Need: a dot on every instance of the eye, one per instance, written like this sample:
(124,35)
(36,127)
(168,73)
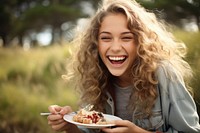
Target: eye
(127,38)
(105,38)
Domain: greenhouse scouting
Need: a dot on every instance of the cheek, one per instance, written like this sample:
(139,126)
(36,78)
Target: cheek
(132,51)
(102,49)
(130,47)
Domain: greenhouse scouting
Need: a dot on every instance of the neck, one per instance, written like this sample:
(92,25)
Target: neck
(122,82)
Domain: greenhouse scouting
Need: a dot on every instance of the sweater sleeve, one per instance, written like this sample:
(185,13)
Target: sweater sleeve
(182,113)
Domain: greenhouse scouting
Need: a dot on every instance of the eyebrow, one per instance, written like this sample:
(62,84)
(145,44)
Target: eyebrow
(105,32)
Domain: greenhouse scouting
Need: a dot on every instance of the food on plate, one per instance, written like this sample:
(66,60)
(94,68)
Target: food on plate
(89,117)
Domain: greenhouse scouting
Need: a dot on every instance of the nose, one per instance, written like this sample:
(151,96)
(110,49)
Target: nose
(116,45)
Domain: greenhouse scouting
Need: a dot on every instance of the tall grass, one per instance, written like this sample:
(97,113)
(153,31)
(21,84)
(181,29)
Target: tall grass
(31,80)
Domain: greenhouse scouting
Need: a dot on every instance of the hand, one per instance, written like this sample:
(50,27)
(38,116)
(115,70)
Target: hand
(56,121)
(124,126)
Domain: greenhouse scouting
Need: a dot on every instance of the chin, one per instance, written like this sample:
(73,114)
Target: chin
(116,73)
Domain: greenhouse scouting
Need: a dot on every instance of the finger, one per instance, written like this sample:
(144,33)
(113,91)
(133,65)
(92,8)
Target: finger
(54,117)
(122,123)
(65,110)
(54,109)
(56,122)
(115,130)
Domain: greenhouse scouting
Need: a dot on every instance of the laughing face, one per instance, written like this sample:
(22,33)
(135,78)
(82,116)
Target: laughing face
(116,45)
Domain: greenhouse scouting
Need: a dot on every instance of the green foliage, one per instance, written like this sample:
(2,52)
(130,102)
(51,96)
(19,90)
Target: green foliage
(54,15)
(174,11)
(20,18)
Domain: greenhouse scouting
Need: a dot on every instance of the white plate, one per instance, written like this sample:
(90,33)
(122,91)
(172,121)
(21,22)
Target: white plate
(69,118)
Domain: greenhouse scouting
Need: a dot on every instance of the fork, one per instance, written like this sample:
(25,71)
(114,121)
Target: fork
(87,108)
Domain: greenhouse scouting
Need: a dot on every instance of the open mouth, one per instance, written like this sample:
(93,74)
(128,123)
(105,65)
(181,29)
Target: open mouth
(117,59)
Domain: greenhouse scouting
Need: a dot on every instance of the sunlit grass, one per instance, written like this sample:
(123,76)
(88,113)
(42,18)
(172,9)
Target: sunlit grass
(30,82)
(192,40)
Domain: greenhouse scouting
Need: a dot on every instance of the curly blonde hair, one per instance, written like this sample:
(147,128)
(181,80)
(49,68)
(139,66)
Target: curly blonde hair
(154,45)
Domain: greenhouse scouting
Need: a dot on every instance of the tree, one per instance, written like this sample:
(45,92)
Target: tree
(25,17)
(6,18)
(175,10)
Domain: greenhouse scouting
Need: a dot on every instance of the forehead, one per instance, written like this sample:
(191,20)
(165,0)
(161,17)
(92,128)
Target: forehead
(114,22)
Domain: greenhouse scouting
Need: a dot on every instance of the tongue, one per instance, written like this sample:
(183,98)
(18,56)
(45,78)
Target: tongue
(117,62)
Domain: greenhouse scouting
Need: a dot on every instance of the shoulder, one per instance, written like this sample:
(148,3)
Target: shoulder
(170,82)
(167,71)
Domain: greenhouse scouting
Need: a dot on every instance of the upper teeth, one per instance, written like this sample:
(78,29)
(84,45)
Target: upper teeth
(116,58)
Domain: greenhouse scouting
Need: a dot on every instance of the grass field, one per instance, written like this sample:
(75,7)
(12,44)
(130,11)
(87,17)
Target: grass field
(31,80)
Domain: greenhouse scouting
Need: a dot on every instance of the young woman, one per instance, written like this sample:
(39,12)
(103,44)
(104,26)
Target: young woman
(128,65)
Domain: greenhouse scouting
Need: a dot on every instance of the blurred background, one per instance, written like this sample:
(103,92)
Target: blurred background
(35,49)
